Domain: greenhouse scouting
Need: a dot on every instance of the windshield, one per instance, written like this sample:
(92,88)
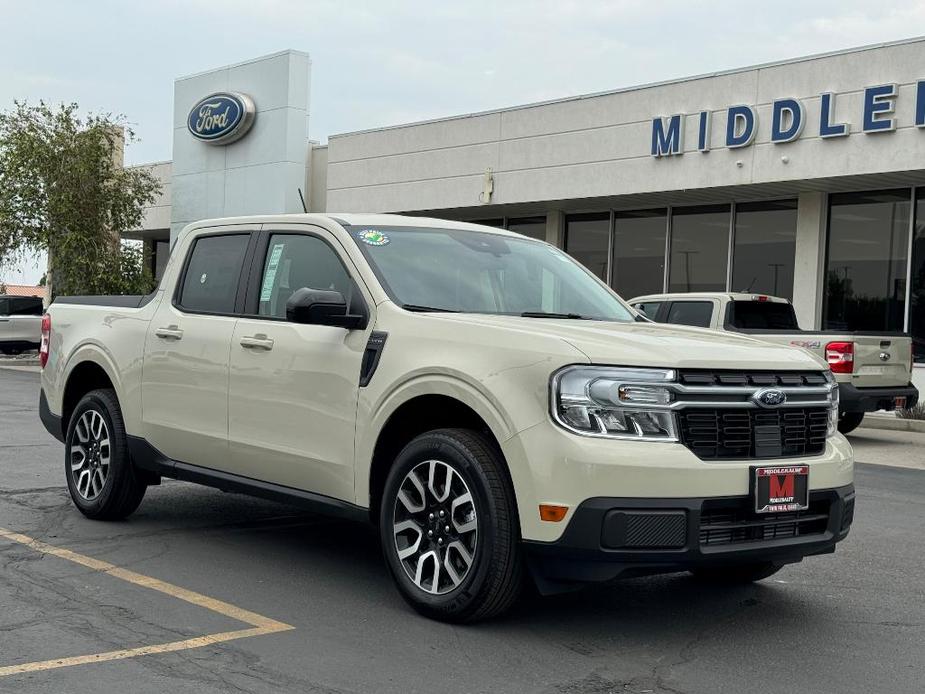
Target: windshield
(475,272)
(762,315)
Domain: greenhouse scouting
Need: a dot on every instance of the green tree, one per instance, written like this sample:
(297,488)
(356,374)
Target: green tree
(64,191)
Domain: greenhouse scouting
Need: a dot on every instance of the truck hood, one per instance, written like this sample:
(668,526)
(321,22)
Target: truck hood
(654,344)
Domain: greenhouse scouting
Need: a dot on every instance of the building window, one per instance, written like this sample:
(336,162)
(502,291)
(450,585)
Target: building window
(497,223)
(866,261)
(699,249)
(917,295)
(639,252)
(534,227)
(587,240)
(764,248)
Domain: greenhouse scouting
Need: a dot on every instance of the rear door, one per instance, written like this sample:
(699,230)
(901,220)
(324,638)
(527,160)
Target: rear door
(293,387)
(185,373)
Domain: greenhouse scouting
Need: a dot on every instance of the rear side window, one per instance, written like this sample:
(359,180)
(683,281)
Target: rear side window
(696,313)
(762,315)
(25,306)
(4,307)
(295,261)
(213,273)
(648,308)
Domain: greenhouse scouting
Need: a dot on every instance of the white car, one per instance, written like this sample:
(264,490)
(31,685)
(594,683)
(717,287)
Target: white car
(481,397)
(20,323)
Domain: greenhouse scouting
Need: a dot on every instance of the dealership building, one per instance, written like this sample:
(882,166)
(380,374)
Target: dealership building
(803,178)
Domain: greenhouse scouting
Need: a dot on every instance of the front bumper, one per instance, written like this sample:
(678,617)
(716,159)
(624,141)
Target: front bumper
(854,399)
(610,538)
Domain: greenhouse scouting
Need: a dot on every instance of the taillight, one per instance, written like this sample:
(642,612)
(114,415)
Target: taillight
(840,356)
(46,340)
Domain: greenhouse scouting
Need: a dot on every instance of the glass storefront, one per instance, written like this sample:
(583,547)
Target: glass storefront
(866,260)
(699,249)
(534,227)
(917,281)
(639,252)
(764,247)
(587,240)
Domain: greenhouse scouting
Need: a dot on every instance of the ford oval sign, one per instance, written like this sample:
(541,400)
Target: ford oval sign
(770,397)
(221,118)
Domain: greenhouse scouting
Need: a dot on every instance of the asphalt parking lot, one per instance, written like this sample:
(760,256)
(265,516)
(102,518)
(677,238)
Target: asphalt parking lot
(854,621)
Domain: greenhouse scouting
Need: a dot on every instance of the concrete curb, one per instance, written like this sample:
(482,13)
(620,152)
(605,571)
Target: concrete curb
(893,424)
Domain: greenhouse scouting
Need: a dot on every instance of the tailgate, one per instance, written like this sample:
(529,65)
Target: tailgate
(881,361)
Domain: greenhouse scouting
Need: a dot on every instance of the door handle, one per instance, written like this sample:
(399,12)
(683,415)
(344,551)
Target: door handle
(260,341)
(171,333)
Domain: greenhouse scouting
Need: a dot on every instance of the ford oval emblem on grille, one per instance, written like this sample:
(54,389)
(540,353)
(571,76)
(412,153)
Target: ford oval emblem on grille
(770,397)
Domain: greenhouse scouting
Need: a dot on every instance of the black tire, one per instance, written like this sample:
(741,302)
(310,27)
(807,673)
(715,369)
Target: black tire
(849,421)
(494,575)
(736,574)
(121,491)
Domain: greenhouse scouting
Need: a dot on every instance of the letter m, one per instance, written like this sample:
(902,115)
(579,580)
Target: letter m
(782,490)
(666,142)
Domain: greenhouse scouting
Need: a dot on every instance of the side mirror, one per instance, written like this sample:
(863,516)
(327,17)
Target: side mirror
(322,307)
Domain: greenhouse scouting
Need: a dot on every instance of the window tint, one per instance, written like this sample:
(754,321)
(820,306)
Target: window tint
(587,238)
(4,307)
(213,273)
(762,315)
(26,306)
(295,261)
(699,249)
(866,268)
(639,252)
(649,308)
(765,245)
(697,313)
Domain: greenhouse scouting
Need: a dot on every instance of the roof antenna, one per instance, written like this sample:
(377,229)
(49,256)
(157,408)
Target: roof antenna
(302,198)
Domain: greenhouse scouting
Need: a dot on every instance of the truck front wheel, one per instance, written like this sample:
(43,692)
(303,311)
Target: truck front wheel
(849,421)
(100,476)
(448,527)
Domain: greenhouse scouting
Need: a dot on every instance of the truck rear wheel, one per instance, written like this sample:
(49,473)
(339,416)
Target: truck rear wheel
(849,421)
(100,475)
(448,527)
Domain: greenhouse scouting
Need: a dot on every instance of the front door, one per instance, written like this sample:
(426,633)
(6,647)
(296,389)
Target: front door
(185,372)
(293,388)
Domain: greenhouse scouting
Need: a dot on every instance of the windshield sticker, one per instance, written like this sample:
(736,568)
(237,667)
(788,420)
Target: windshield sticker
(371,237)
(270,277)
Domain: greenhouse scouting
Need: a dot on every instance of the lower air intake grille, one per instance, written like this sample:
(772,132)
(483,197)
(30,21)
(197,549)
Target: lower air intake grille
(722,524)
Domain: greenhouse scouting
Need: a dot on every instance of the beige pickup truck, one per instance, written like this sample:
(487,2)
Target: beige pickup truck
(873,370)
(481,397)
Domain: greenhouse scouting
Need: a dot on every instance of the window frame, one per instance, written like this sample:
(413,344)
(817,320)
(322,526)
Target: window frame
(242,284)
(251,300)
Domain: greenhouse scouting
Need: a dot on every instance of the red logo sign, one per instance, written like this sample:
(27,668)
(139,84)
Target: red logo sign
(781,488)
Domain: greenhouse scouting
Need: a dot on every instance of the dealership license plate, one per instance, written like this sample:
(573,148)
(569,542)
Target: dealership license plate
(781,488)
(899,402)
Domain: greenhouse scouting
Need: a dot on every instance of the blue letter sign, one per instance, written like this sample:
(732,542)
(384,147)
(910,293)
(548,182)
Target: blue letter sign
(790,110)
(667,143)
(879,100)
(221,118)
(827,112)
(740,126)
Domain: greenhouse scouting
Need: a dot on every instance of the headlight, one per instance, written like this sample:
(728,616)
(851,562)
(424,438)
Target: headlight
(614,402)
(832,427)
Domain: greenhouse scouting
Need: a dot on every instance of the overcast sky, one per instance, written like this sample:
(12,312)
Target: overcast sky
(383,63)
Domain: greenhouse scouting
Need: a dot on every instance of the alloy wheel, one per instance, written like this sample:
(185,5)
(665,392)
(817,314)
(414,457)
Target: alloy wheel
(90,455)
(435,525)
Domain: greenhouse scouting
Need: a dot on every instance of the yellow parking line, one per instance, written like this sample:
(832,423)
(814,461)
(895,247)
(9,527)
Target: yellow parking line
(260,625)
